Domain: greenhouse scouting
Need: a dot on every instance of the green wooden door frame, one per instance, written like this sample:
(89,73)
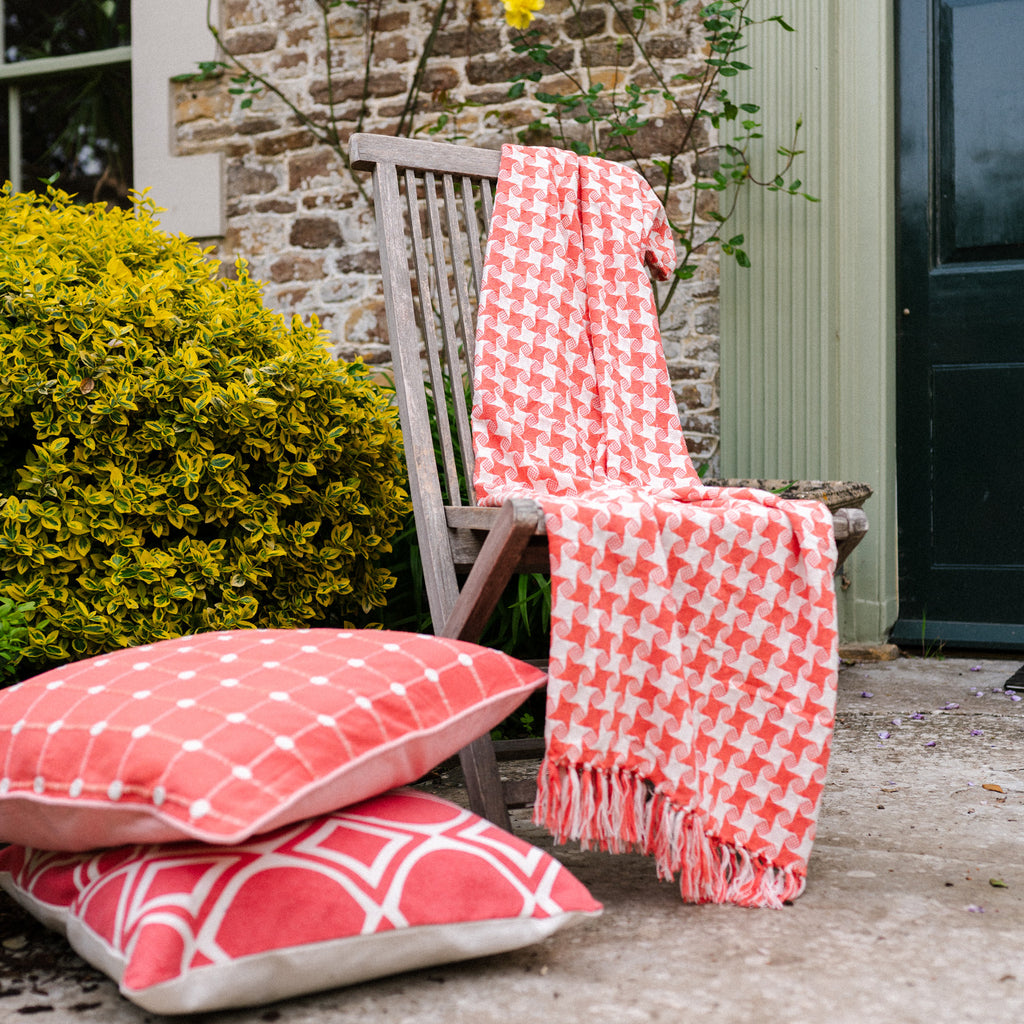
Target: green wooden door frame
(960,346)
(808,335)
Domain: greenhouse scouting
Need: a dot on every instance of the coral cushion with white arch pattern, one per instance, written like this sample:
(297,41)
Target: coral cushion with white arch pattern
(220,736)
(402,881)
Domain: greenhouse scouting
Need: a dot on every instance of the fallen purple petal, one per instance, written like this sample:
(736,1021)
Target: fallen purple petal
(917,716)
(883,735)
(975,668)
(951,706)
(973,908)
(867,693)
(897,721)
(977,732)
(930,743)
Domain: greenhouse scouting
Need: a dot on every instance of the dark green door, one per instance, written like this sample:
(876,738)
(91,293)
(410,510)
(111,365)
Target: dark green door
(960,340)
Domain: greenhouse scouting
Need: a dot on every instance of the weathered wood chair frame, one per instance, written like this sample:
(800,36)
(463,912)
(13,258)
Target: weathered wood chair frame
(433,204)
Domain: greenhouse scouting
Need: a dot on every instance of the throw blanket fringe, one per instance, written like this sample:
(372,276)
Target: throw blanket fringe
(616,811)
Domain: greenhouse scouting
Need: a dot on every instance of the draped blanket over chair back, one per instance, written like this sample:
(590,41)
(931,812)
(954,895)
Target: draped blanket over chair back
(693,644)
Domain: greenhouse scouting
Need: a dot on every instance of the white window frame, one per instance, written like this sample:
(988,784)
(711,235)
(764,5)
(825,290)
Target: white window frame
(168,38)
(17,73)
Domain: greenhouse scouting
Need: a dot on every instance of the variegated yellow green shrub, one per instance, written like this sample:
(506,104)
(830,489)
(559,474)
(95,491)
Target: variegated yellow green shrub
(174,457)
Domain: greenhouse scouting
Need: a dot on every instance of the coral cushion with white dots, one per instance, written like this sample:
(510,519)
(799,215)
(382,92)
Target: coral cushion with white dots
(220,736)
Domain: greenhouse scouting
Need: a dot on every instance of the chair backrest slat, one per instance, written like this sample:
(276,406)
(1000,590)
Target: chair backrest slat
(461,355)
(476,258)
(435,374)
(432,244)
(445,254)
(487,197)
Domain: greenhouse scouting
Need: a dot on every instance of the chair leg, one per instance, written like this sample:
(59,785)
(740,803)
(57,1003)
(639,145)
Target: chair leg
(483,781)
(477,600)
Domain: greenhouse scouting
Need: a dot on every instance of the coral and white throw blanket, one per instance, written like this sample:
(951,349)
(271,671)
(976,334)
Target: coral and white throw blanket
(693,643)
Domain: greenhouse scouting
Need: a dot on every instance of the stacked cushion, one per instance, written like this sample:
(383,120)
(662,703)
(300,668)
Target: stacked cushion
(222,737)
(401,881)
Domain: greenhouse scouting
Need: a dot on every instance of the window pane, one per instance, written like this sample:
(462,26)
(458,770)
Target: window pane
(79,128)
(75,125)
(54,28)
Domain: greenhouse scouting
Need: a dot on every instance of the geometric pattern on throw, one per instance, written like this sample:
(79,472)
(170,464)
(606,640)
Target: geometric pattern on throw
(397,882)
(693,644)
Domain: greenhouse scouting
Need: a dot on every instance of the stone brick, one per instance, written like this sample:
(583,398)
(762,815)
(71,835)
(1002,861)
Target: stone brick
(258,125)
(490,95)
(507,66)
(367,322)
(688,371)
(340,196)
(611,78)
(314,233)
(236,12)
(216,131)
(243,180)
(295,62)
(674,46)
(695,397)
(363,261)
(301,35)
(309,165)
(294,267)
(396,47)
(370,353)
(702,448)
(590,22)
(662,135)
(382,83)
(616,53)
(706,319)
(274,205)
(255,40)
(707,163)
(346,22)
(707,203)
(393,21)
(470,41)
(290,297)
(284,142)
(698,423)
(437,80)
(201,101)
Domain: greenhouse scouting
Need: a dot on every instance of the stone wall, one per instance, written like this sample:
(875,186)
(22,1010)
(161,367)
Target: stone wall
(296,213)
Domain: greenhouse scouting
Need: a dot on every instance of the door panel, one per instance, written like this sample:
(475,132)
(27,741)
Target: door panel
(960,342)
(981,108)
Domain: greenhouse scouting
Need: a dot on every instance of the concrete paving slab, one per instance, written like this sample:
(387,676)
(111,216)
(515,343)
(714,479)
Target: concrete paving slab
(901,921)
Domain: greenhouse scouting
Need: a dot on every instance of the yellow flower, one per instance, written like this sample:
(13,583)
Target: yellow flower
(519,13)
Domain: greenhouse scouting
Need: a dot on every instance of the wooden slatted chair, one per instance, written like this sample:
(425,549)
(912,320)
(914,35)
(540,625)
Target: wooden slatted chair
(433,204)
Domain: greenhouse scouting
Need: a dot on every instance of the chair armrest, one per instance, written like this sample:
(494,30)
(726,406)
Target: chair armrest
(516,523)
